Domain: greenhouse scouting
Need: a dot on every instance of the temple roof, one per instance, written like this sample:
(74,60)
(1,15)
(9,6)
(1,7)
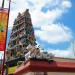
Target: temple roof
(45,66)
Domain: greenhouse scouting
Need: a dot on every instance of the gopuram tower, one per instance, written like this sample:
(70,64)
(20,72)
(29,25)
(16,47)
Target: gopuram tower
(22,35)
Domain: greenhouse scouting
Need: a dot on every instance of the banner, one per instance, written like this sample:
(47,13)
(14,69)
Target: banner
(3,27)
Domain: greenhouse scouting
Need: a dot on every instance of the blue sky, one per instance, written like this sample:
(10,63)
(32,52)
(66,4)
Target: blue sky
(53,22)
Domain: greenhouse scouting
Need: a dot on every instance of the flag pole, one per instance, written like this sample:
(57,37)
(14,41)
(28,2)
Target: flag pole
(3,3)
(4,50)
(6,33)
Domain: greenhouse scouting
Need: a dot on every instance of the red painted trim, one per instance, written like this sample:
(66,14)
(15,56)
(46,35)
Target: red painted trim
(43,66)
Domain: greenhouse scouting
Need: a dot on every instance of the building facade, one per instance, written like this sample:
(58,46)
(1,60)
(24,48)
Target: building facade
(22,35)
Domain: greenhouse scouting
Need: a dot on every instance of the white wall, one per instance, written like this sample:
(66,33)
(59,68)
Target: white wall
(51,73)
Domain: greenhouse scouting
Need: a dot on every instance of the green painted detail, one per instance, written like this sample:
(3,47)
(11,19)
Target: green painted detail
(1,27)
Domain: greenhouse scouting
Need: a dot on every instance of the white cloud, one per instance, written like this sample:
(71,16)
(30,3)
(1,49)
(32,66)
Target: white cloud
(45,18)
(35,6)
(67,53)
(66,4)
(55,9)
(62,53)
(54,33)
(0,3)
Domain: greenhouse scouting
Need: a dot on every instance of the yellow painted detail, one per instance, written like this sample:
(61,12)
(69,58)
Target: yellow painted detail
(11,70)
